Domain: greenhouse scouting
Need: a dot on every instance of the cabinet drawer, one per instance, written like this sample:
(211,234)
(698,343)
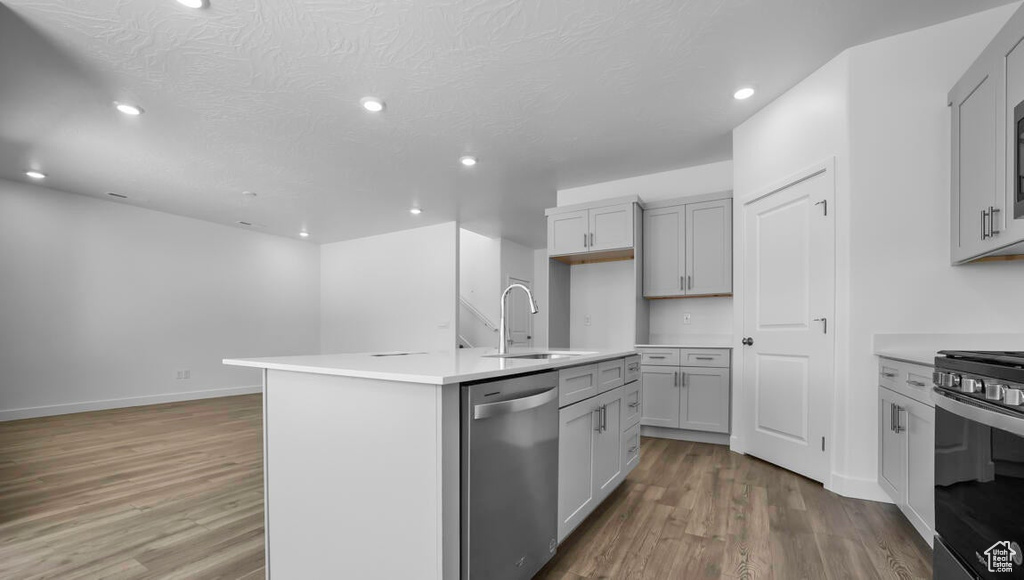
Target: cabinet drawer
(704,357)
(660,356)
(576,384)
(632,368)
(611,374)
(631,405)
(908,379)
(631,448)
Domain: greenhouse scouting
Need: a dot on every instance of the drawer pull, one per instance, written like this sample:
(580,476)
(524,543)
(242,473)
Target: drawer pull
(656,356)
(632,449)
(914,383)
(704,357)
(889,375)
(634,405)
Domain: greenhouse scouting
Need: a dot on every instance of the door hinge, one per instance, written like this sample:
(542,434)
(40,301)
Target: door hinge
(822,443)
(824,206)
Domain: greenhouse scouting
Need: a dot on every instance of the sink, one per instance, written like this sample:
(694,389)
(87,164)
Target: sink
(539,355)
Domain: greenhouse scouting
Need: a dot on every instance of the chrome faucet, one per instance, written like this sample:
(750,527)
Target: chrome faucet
(503,337)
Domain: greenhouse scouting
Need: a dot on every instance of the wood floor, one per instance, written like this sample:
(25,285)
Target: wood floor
(176,491)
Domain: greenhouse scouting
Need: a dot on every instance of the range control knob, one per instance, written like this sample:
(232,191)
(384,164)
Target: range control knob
(971,385)
(994,391)
(944,379)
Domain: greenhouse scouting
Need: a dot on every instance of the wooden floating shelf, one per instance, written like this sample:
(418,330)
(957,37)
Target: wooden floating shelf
(689,296)
(596,257)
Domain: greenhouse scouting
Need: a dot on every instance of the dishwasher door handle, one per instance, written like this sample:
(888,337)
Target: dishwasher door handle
(487,410)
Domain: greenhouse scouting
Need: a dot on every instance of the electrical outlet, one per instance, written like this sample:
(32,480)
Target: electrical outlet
(686,318)
(182,375)
(586,320)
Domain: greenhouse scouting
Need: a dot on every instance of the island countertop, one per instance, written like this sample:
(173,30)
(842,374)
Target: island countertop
(433,368)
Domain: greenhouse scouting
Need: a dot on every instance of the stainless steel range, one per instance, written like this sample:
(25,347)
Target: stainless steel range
(979,464)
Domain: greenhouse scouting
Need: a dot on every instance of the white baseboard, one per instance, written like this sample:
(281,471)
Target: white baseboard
(858,488)
(49,410)
(684,435)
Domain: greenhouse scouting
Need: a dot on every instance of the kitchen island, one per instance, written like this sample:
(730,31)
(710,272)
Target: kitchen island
(362,457)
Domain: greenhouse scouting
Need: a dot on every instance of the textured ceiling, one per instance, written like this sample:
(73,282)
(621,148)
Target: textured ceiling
(263,95)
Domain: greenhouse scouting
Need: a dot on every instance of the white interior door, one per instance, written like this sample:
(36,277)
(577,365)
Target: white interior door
(520,319)
(788,311)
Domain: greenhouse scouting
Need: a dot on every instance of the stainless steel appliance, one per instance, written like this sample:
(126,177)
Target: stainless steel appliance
(979,465)
(509,476)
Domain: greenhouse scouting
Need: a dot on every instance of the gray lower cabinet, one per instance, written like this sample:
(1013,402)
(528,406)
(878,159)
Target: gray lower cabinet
(598,444)
(906,443)
(696,398)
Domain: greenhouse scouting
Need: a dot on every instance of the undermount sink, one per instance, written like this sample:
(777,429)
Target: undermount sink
(539,355)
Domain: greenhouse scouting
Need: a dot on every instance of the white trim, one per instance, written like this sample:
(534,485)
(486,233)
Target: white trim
(50,410)
(684,435)
(858,488)
(595,204)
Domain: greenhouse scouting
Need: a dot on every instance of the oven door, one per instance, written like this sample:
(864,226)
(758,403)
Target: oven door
(979,485)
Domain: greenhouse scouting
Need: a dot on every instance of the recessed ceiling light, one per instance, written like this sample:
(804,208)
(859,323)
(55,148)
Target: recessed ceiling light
(372,104)
(467,160)
(744,93)
(127,109)
(192,3)
(249,193)
(35,174)
(415,211)
(304,234)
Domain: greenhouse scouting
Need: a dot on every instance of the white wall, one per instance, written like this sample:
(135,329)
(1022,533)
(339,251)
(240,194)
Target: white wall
(880,110)
(540,294)
(395,291)
(711,315)
(479,281)
(603,292)
(102,303)
(901,280)
(709,178)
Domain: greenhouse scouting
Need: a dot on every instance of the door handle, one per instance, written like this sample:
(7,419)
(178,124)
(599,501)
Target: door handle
(488,410)
(824,324)
(748,341)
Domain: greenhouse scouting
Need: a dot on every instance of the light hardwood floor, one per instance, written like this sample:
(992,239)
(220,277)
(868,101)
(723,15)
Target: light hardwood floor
(176,491)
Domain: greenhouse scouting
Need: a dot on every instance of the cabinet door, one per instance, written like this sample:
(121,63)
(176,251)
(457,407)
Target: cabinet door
(568,233)
(917,428)
(709,247)
(973,183)
(1007,221)
(608,466)
(611,374)
(611,228)
(576,438)
(664,252)
(576,384)
(704,399)
(660,398)
(891,461)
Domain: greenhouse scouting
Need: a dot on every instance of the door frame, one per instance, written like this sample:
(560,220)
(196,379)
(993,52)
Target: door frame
(509,280)
(740,422)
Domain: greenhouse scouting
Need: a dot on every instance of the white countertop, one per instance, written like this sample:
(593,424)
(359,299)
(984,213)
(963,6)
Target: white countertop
(434,368)
(921,357)
(690,341)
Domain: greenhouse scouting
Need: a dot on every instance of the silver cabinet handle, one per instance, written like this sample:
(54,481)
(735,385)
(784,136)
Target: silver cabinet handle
(888,375)
(632,449)
(682,284)
(634,404)
(591,239)
(689,282)
(992,211)
(584,239)
(899,425)
(915,383)
(682,379)
(984,224)
(704,357)
(604,417)
(675,379)
(892,416)
(487,410)
(657,356)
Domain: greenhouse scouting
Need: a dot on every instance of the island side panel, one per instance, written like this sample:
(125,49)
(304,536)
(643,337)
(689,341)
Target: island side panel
(359,478)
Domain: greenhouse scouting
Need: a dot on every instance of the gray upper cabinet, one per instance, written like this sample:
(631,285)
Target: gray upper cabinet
(581,230)
(568,233)
(664,257)
(983,150)
(709,247)
(688,249)
(611,227)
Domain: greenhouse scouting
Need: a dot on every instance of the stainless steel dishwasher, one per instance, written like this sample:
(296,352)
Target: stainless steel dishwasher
(509,476)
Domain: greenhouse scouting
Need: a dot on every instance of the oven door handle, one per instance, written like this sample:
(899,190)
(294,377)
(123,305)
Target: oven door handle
(986,417)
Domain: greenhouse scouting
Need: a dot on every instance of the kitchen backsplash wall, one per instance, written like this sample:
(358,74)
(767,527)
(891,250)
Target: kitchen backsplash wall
(707,316)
